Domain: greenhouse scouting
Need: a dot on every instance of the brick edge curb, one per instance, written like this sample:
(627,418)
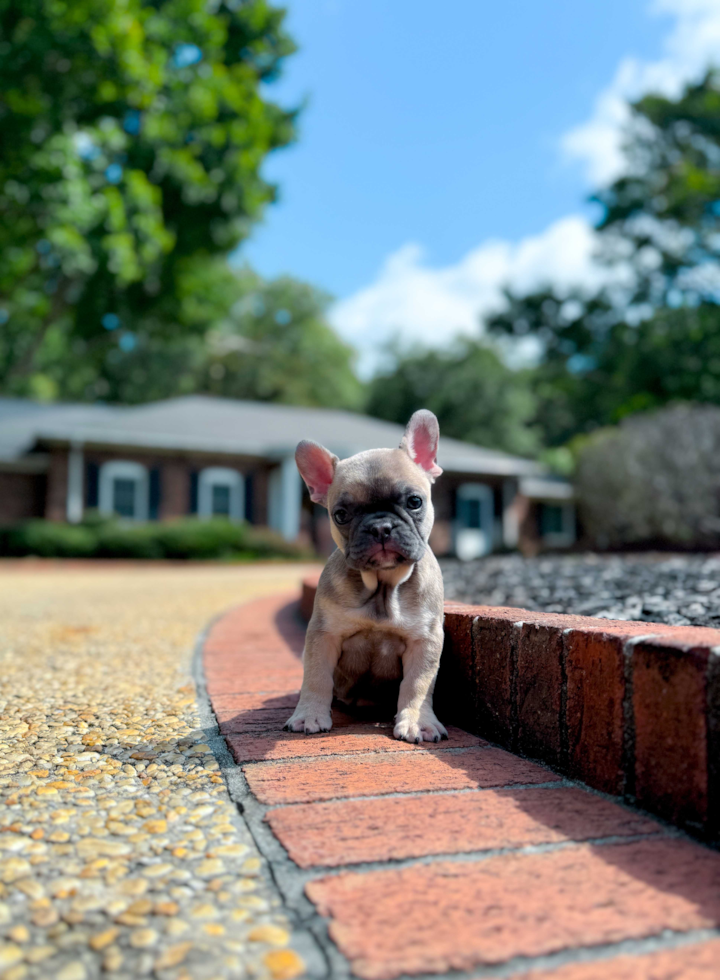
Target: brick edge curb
(628,708)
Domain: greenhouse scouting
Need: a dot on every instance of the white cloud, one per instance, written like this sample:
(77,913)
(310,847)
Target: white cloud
(426,305)
(692,44)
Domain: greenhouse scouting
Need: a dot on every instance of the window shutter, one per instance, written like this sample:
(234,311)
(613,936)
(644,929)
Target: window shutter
(154,493)
(194,492)
(92,485)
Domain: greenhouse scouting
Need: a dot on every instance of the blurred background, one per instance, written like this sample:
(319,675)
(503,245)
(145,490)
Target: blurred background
(225,226)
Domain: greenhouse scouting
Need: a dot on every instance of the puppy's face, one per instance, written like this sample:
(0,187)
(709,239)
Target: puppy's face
(380,509)
(381,514)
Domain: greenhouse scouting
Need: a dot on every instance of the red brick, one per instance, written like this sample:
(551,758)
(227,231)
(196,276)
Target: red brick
(253,701)
(381,773)
(595,669)
(494,645)
(613,627)
(240,713)
(333,834)
(458,915)
(669,702)
(686,962)
(233,669)
(362,737)
(254,680)
(539,683)
(713,698)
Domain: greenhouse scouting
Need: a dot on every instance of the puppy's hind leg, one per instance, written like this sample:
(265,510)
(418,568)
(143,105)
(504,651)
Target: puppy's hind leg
(322,652)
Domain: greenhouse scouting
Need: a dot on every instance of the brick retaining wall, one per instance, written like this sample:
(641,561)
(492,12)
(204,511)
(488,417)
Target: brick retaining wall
(629,708)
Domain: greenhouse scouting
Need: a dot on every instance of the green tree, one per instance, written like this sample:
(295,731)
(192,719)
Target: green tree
(131,140)
(475,396)
(605,357)
(269,341)
(664,212)
(597,368)
(276,345)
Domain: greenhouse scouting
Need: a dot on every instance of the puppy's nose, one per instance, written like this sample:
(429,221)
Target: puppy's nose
(382,531)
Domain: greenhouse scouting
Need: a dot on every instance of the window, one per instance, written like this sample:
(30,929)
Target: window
(124,490)
(221,493)
(551,519)
(557,524)
(474,524)
(472,513)
(124,496)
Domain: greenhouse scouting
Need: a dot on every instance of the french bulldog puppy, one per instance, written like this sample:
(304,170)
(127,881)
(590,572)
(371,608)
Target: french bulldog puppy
(378,615)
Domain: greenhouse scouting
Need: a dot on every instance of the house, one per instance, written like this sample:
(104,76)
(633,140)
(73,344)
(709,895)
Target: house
(212,456)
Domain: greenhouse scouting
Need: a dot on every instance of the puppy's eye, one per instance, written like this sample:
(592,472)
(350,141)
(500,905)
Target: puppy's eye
(341,516)
(414,502)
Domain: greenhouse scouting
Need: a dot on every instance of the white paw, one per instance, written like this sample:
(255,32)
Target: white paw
(309,719)
(423,728)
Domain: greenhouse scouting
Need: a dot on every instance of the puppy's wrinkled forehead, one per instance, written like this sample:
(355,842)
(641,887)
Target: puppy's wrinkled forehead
(375,475)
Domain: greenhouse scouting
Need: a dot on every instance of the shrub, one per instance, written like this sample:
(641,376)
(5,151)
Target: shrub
(654,479)
(117,540)
(48,539)
(202,539)
(189,538)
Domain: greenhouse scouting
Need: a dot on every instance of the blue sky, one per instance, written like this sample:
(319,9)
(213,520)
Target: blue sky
(440,140)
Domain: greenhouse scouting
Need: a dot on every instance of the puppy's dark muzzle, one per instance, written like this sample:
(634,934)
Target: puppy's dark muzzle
(383,543)
(382,532)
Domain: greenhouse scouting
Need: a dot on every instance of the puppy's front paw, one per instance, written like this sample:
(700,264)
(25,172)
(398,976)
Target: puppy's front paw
(309,719)
(425,728)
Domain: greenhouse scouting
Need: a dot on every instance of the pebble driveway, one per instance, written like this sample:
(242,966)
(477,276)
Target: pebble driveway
(121,854)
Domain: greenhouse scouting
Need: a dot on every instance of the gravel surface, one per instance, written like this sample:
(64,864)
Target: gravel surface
(656,588)
(121,854)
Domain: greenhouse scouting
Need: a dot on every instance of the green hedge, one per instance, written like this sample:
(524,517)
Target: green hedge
(190,538)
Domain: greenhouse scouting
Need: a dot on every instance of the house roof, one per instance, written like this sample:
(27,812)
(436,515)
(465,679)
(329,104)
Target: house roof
(205,424)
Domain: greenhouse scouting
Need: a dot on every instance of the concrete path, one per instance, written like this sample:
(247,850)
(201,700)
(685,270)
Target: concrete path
(458,859)
(121,854)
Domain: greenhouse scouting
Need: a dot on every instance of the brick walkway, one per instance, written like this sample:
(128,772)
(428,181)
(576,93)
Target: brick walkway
(397,859)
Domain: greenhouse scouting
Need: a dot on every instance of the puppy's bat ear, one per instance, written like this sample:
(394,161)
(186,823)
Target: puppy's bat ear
(420,441)
(317,468)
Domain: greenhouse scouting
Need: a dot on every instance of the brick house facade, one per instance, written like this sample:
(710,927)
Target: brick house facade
(206,456)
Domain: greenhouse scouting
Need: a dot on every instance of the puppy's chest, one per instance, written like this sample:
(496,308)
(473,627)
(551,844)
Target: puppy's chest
(386,605)
(384,612)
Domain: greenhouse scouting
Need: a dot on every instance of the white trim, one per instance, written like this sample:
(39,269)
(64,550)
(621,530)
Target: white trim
(285,498)
(546,489)
(75,483)
(124,470)
(221,476)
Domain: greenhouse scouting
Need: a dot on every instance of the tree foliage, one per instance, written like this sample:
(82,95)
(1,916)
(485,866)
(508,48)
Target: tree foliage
(269,340)
(656,340)
(475,396)
(131,139)
(276,345)
(596,368)
(664,212)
